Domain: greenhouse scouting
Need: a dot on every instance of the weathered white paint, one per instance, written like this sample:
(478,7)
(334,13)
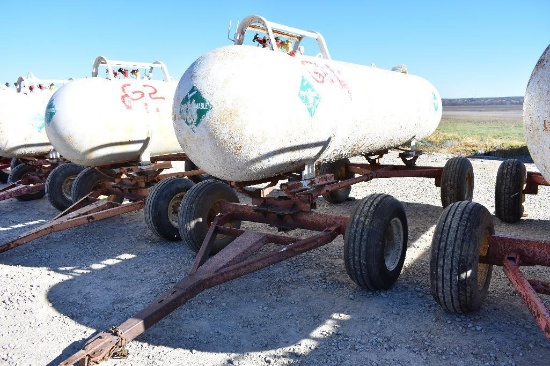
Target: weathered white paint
(22,132)
(536,114)
(246,113)
(97,121)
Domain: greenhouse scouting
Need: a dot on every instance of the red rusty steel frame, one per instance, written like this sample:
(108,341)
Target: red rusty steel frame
(534,180)
(397,171)
(326,183)
(531,252)
(368,172)
(90,209)
(31,182)
(528,294)
(155,161)
(511,253)
(169,157)
(237,259)
(17,189)
(309,190)
(91,212)
(284,218)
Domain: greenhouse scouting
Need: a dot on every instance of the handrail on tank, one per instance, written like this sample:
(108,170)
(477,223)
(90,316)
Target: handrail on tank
(109,64)
(259,23)
(24,82)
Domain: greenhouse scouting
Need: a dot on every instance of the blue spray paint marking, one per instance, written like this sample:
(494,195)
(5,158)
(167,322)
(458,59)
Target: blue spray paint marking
(435,102)
(193,108)
(50,111)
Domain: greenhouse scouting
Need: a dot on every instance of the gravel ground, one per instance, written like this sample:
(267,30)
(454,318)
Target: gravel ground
(61,289)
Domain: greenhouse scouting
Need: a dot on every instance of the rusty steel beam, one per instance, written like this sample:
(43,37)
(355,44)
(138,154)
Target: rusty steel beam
(286,218)
(96,211)
(16,189)
(234,261)
(531,252)
(533,181)
(396,171)
(169,157)
(540,287)
(527,293)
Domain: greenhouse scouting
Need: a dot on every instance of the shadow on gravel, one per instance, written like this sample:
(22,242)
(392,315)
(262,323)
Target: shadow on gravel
(299,300)
(305,302)
(520,153)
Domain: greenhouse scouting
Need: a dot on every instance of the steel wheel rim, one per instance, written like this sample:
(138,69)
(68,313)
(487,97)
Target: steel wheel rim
(67,186)
(393,244)
(483,268)
(174,208)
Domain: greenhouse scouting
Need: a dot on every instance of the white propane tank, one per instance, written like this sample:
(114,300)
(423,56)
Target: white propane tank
(97,121)
(536,114)
(245,113)
(22,132)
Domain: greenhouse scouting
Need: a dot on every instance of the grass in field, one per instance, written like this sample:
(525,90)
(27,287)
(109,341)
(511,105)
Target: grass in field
(470,135)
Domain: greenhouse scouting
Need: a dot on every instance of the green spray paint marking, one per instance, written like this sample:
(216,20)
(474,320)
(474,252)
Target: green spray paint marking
(193,108)
(50,111)
(435,102)
(38,122)
(309,96)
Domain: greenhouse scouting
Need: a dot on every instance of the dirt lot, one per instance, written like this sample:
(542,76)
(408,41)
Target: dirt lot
(59,290)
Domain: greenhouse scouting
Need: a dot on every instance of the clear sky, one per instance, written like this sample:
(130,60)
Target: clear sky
(465,48)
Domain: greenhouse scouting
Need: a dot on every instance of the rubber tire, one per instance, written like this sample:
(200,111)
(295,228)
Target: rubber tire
(457,181)
(15,162)
(366,241)
(4,174)
(162,201)
(189,165)
(197,210)
(338,168)
(18,173)
(509,196)
(59,185)
(87,181)
(462,234)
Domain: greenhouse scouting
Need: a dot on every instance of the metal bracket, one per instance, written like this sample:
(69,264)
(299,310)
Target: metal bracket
(309,171)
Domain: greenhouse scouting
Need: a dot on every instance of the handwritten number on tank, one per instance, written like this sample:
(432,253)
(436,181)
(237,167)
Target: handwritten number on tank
(59,184)
(458,282)
(198,209)
(457,181)
(376,242)
(90,180)
(22,171)
(338,168)
(509,195)
(162,206)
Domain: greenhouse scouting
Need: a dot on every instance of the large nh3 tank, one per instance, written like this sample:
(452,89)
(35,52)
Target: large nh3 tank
(536,114)
(22,132)
(98,121)
(245,113)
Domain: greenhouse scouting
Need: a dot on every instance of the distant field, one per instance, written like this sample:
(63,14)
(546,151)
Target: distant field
(490,129)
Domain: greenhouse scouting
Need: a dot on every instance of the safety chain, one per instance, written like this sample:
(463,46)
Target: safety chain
(120,351)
